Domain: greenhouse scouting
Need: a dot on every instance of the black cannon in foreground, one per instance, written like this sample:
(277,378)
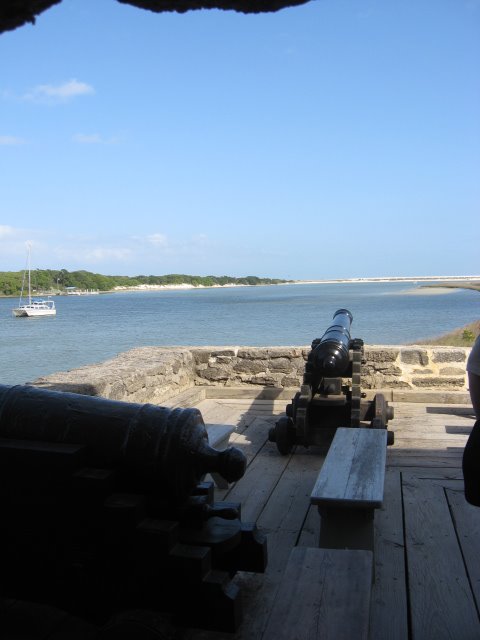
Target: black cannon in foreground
(105,508)
(330,395)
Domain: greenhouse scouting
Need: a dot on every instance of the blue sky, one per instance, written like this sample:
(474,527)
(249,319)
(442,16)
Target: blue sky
(336,139)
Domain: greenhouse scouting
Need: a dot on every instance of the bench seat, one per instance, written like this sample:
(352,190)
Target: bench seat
(350,487)
(324,594)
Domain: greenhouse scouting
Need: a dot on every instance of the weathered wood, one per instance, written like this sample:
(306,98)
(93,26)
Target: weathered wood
(252,438)
(414,458)
(325,593)
(389,614)
(213,412)
(281,519)
(267,393)
(390,589)
(349,487)
(310,533)
(188,398)
(218,437)
(287,508)
(258,483)
(438,397)
(441,600)
(467,523)
(354,471)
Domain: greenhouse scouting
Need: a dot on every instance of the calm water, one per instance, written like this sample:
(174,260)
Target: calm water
(89,329)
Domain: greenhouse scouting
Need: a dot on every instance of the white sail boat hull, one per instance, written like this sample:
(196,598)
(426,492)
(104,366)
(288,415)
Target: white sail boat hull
(33,308)
(40,308)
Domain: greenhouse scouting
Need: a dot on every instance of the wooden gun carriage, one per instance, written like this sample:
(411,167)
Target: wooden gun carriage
(104,509)
(330,395)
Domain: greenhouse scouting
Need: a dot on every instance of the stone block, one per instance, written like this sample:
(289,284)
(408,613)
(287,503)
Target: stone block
(450,355)
(285,352)
(250,366)
(280,364)
(381,355)
(201,356)
(253,353)
(452,371)
(414,356)
(380,381)
(438,382)
(216,353)
(224,359)
(291,381)
(215,374)
(263,380)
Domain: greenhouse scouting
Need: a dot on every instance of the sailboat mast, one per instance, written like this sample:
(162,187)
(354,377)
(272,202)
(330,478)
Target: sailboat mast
(29,280)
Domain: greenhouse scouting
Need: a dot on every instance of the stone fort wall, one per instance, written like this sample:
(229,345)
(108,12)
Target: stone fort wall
(155,374)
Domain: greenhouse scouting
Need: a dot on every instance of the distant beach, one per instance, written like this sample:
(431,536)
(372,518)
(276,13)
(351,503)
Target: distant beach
(434,290)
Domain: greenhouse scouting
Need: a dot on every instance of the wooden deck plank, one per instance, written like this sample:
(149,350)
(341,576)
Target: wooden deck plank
(353,474)
(287,509)
(214,412)
(324,594)
(442,604)
(252,438)
(281,519)
(467,522)
(255,488)
(389,612)
(310,533)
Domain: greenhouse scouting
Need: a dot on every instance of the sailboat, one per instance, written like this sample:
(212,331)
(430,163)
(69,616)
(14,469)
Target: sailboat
(32,308)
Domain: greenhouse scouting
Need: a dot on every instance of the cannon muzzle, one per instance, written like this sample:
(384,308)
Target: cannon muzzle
(330,355)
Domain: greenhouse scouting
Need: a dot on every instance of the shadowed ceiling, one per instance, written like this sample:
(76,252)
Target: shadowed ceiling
(16,13)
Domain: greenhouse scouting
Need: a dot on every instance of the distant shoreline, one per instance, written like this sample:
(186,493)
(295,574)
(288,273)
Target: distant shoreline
(449,279)
(446,282)
(450,282)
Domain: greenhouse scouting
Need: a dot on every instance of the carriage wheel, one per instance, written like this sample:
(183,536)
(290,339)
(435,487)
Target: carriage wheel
(380,417)
(284,435)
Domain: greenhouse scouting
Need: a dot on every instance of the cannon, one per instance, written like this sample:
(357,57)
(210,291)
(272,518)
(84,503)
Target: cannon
(330,395)
(105,508)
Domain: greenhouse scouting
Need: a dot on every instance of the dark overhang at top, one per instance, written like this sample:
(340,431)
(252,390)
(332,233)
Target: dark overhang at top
(16,13)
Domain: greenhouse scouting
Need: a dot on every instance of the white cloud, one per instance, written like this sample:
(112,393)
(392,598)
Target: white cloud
(99,254)
(158,240)
(11,140)
(90,138)
(92,255)
(13,246)
(52,94)
(6,231)
(93,138)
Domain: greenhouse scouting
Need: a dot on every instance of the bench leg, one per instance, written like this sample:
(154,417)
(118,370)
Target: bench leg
(346,528)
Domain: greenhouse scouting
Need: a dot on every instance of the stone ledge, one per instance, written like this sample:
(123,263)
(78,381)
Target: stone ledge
(155,374)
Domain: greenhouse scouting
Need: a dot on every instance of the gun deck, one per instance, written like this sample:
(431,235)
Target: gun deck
(427,573)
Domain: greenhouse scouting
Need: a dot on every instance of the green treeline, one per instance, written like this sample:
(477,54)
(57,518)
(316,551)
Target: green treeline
(46,280)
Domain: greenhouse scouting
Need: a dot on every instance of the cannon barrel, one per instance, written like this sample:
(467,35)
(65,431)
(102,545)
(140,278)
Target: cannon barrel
(158,450)
(330,355)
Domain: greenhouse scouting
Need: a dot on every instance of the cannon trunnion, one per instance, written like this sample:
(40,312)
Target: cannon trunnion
(105,508)
(330,395)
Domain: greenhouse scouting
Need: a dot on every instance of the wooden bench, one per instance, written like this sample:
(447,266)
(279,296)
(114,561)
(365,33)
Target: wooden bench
(324,593)
(218,438)
(350,487)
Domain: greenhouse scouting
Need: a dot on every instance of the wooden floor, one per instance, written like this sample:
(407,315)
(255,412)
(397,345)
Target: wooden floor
(427,565)
(427,538)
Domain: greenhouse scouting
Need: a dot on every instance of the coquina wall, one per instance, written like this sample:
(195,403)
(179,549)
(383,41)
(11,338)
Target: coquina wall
(155,374)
